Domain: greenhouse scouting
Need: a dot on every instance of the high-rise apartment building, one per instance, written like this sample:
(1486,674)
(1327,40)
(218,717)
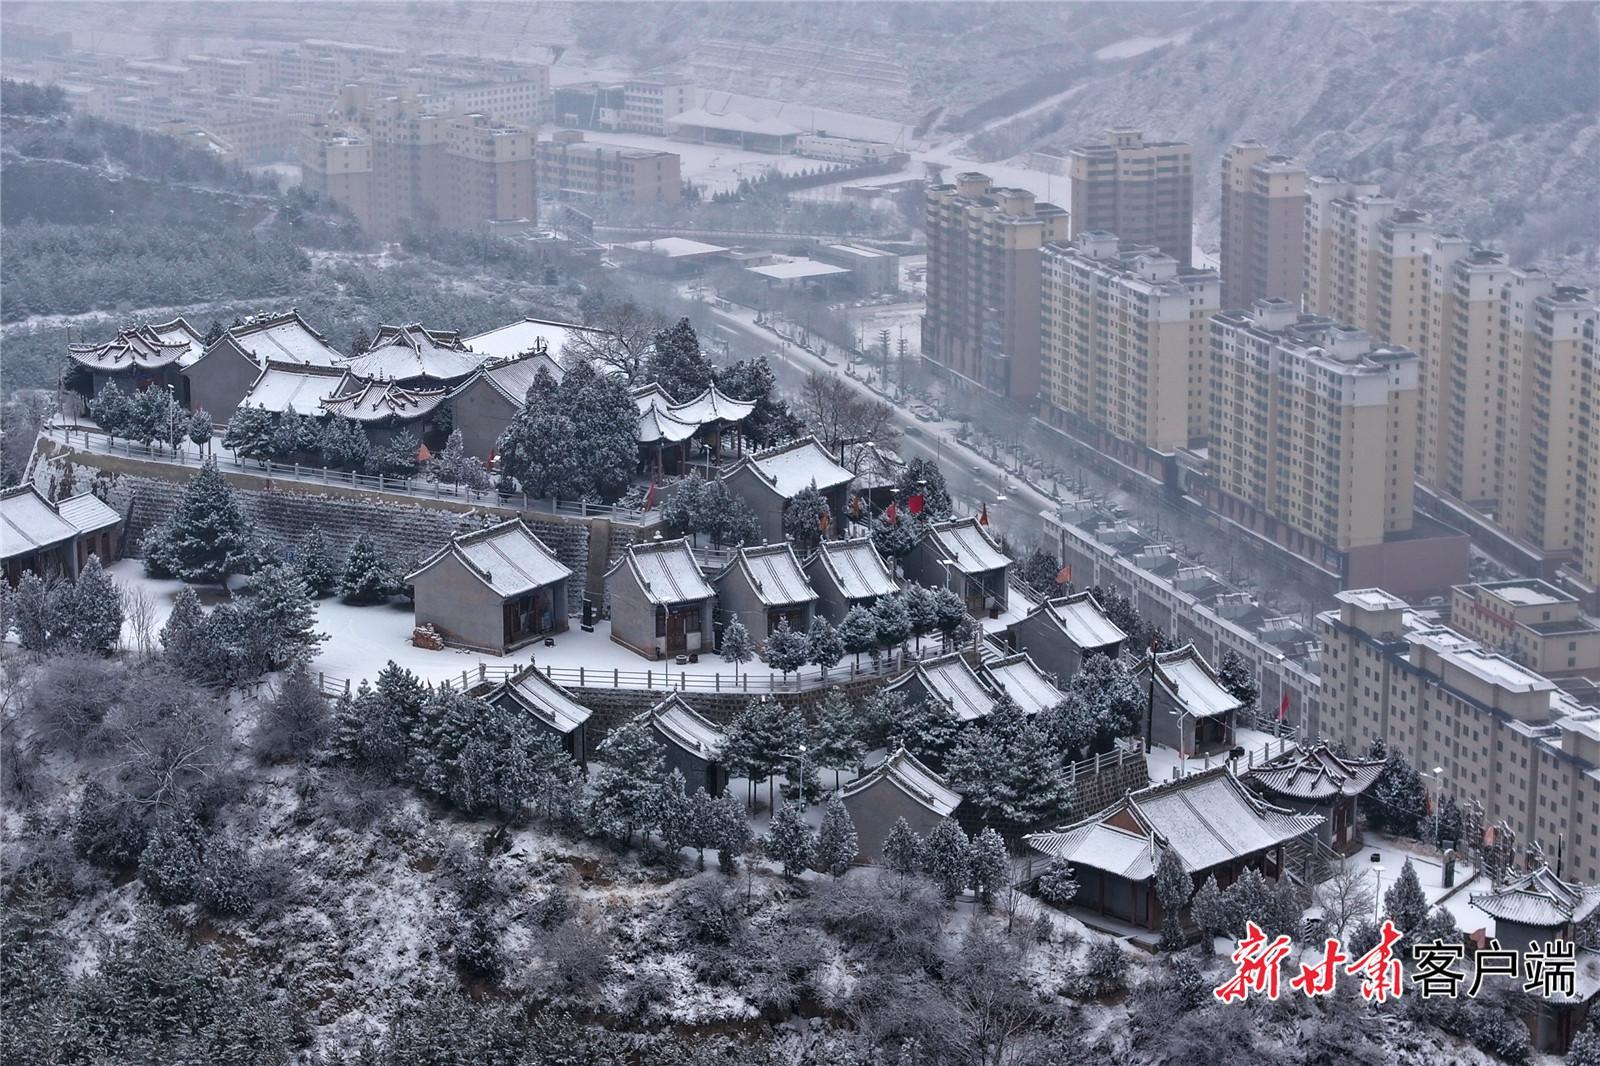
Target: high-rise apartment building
(1501,735)
(423,168)
(1341,235)
(570,165)
(1313,430)
(1124,337)
(1143,191)
(982,319)
(1263,226)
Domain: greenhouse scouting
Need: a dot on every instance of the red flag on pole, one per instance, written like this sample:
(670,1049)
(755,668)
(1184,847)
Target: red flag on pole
(1064,575)
(491,459)
(891,513)
(423,454)
(1283,707)
(855,507)
(650,496)
(916,503)
(983,519)
(823,521)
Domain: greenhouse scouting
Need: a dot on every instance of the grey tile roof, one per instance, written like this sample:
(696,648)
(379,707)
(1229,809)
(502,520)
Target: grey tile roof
(544,699)
(509,558)
(856,568)
(902,771)
(1315,773)
(1539,898)
(690,730)
(774,573)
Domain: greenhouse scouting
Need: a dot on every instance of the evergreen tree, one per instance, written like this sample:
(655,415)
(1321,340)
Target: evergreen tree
(674,814)
(725,517)
(676,363)
(1404,901)
(825,645)
(397,458)
(344,445)
(947,858)
(836,743)
(539,448)
(737,646)
(1235,675)
(837,843)
(949,612)
(294,723)
(807,519)
(928,730)
(921,608)
(759,738)
(729,830)
(605,426)
(902,848)
(627,785)
(316,562)
(991,866)
(1007,768)
(859,631)
(787,651)
(206,539)
(1397,799)
(1056,884)
(1213,913)
(1039,571)
(112,411)
(892,621)
(214,333)
(924,475)
(771,421)
(790,840)
(1071,724)
(294,435)
(366,579)
(92,620)
(360,341)
(282,616)
(251,432)
(1286,916)
(894,540)
(684,508)
(1173,885)
(170,863)
(702,825)
(1250,899)
(1108,693)
(201,429)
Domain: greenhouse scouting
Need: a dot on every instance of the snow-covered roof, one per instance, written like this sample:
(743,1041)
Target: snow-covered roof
(790,467)
(28,522)
(528,335)
(796,269)
(1539,898)
(856,568)
(1189,679)
(513,377)
(1315,773)
(374,401)
(734,122)
(539,696)
(281,386)
(1082,619)
(1021,679)
(666,570)
(710,406)
(404,353)
(144,347)
(87,512)
(682,725)
(674,247)
(903,771)
(509,558)
(966,544)
(1207,818)
(775,574)
(657,425)
(284,338)
(950,680)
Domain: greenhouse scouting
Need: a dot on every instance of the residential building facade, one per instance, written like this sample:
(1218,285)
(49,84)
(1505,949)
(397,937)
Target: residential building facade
(569,165)
(1143,191)
(1263,225)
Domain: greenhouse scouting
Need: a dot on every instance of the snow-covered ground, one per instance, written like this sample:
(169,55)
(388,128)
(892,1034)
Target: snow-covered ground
(1393,854)
(1164,762)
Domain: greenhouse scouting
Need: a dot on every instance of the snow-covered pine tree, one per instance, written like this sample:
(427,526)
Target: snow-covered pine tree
(826,646)
(682,509)
(1173,885)
(753,380)
(676,363)
(804,518)
(200,429)
(1039,571)
(1235,675)
(366,579)
(1404,901)
(787,651)
(836,741)
(837,843)
(947,858)
(94,622)
(294,435)
(674,815)
(737,647)
(921,609)
(859,631)
(990,866)
(1214,913)
(315,559)
(790,840)
(1110,695)
(949,613)
(1057,885)
(923,475)
(1250,898)
(1398,798)
(294,722)
(344,445)
(207,538)
(894,540)
(1070,724)
(605,421)
(892,621)
(282,615)
(628,781)
(112,411)
(726,518)
(170,863)
(902,848)
(702,825)
(1286,915)
(729,830)
(250,432)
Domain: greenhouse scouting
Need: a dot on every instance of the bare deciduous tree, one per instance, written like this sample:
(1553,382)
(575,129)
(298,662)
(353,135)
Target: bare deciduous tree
(1345,898)
(623,345)
(839,414)
(139,610)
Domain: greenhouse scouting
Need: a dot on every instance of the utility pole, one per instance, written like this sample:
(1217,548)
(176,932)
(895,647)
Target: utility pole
(1150,705)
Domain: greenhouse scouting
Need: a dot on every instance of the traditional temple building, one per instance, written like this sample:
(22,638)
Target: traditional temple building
(660,601)
(950,682)
(1316,781)
(769,480)
(898,787)
(54,539)
(959,555)
(219,379)
(1020,678)
(494,589)
(385,410)
(846,574)
(1193,712)
(549,706)
(694,744)
(1065,630)
(416,357)
(765,587)
(137,358)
